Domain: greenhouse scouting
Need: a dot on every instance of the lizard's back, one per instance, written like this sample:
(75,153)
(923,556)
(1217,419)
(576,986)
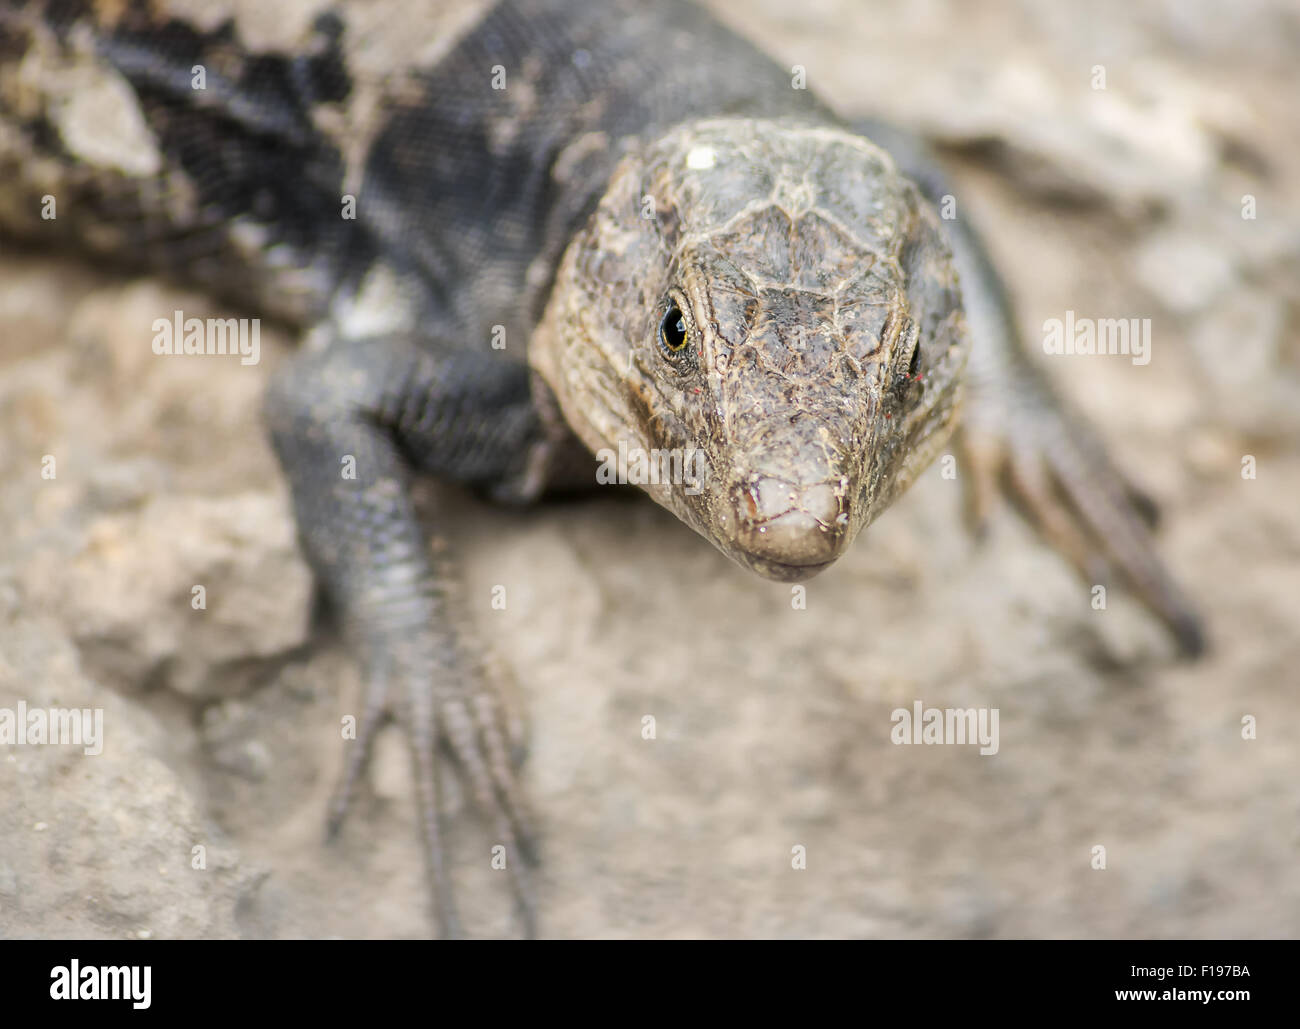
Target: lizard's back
(294,178)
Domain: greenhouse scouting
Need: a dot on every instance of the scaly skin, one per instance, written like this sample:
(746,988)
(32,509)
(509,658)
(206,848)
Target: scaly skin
(640,160)
(825,337)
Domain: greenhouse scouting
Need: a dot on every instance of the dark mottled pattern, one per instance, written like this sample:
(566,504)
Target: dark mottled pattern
(242,151)
(471,185)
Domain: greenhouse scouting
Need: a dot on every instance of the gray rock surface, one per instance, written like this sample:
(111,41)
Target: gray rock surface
(772,723)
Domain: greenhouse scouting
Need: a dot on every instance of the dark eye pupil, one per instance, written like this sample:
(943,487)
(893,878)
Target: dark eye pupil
(672,330)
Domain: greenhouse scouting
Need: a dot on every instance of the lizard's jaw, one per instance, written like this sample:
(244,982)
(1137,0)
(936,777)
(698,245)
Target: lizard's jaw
(778,572)
(789,550)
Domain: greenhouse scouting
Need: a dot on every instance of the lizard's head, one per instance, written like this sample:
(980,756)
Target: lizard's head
(763,319)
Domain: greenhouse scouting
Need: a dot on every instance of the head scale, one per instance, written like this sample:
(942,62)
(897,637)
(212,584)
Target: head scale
(771,307)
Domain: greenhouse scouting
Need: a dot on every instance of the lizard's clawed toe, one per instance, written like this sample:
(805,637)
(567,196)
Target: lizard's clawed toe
(1069,490)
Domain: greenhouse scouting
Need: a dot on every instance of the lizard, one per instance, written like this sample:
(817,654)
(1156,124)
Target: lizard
(518,234)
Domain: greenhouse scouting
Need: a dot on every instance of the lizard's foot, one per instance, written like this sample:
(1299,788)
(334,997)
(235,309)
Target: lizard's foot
(464,714)
(377,408)
(1019,437)
(1062,480)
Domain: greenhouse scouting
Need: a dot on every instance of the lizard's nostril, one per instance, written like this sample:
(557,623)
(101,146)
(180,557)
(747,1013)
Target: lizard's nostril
(791,525)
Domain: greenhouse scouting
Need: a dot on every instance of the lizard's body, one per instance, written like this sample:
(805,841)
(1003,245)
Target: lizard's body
(584,186)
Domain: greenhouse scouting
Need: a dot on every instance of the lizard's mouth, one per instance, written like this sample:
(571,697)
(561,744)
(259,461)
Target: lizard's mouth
(786,532)
(779,571)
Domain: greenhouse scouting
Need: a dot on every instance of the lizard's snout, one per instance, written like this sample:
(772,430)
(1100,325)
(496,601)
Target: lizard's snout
(789,531)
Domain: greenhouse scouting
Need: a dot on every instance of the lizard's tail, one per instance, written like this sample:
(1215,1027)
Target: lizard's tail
(162,146)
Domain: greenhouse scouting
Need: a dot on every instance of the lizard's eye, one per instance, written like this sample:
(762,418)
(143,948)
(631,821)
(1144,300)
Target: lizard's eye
(910,335)
(673,331)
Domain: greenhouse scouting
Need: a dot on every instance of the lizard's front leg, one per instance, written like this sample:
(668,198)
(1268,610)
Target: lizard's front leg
(1017,432)
(1020,436)
(350,424)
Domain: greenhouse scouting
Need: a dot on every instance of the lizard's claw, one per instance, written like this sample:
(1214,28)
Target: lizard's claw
(1060,477)
(473,728)
(469,721)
